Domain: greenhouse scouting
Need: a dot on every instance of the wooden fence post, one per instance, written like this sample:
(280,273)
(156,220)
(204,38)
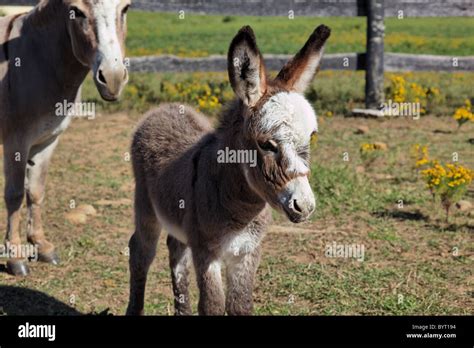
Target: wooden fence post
(374,56)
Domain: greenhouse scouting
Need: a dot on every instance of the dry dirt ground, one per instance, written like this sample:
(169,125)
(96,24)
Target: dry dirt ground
(414,263)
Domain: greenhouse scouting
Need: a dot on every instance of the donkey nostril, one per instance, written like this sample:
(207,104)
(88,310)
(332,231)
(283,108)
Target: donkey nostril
(296,207)
(125,73)
(101,77)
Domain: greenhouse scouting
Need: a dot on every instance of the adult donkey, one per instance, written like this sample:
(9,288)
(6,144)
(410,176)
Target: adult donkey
(45,56)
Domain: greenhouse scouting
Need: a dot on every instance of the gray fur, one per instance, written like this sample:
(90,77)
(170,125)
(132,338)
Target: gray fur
(218,212)
(44,58)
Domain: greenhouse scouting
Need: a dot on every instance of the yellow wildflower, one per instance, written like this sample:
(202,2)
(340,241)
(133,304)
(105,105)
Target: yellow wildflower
(448,183)
(464,113)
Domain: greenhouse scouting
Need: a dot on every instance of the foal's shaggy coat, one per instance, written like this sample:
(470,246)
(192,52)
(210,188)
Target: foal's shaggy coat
(216,213)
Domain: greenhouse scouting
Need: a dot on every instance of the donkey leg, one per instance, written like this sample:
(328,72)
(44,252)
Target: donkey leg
(15,158)
(209,279)
(142,246)
(180,260)
(36,173)
(241,272)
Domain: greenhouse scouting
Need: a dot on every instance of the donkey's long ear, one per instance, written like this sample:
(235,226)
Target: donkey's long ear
(246,68)
(298,73)
(45,12)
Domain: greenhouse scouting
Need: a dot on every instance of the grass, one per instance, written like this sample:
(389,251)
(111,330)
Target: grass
(342,290)
(408,251)
(203,35)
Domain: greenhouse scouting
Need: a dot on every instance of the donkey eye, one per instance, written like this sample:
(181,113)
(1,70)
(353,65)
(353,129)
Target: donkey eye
(303,152)
(77,13)
(269,145)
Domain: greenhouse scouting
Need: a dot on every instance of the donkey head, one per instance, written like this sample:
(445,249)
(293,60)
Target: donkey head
(278,121)
(97,29)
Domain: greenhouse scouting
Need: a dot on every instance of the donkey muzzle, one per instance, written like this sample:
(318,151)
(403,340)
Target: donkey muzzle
(110,80)
(297,200)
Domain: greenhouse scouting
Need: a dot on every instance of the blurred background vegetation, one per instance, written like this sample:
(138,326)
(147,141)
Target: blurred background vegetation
(332,93)
(202,35)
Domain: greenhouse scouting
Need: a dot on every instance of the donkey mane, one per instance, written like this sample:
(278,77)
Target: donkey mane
(7,36)
(230,115)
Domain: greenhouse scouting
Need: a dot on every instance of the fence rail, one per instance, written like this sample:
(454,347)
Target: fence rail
(320,8)
(339,61)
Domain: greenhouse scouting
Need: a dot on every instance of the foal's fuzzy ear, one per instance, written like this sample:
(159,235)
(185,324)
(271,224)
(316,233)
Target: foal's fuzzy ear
(246,68)
(298,73)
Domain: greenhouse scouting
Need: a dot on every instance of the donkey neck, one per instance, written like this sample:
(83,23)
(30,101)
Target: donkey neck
(46,30)
(236,195)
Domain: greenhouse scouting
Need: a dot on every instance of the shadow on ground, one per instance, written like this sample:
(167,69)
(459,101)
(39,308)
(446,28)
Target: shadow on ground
(20,301)
(442,131)
(401,215)
(452,227)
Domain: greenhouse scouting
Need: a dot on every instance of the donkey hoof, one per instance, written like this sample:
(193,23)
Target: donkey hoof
(18,267)
(50,257)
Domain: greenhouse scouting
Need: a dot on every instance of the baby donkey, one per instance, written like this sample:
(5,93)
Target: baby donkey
(216,211)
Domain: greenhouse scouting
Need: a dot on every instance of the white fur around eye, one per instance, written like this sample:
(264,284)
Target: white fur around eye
(296,165)
(291,120)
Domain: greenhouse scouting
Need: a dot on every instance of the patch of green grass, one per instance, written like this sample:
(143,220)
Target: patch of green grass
(294,288)
(408,257)
(338,189)
(384,231)
(203,35)
(341,191)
